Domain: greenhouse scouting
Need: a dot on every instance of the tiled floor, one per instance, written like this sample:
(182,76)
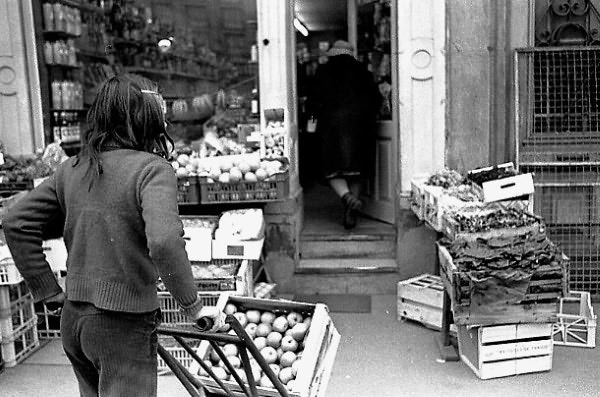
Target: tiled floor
(378,357)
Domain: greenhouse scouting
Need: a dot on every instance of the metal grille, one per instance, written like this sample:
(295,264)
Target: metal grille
(558,138)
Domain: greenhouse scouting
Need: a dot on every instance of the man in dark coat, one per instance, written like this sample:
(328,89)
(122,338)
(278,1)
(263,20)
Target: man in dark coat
(345,101)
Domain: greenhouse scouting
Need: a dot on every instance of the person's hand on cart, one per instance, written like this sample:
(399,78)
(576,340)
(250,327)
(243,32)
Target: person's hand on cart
(210,318)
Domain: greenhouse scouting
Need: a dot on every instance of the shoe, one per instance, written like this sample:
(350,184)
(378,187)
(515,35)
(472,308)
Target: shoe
(351,206)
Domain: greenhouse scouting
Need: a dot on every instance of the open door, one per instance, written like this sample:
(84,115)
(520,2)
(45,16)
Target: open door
(379,194)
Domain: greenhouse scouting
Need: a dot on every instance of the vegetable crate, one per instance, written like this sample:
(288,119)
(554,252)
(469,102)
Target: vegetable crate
(535,307)
(506,350)
(420,299)
(19,346)
(241,282)
(274,189)
(499,182)
(318,356)
(576,325)
(451,227)
(188,190)
(417,200)
(437,203)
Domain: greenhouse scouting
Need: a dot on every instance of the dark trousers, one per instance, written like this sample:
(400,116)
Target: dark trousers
(113,353)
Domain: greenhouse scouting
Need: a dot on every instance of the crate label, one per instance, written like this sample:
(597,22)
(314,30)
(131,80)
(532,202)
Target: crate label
(235,250)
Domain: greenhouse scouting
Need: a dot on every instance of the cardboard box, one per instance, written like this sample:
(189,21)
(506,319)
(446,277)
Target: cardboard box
(235,249)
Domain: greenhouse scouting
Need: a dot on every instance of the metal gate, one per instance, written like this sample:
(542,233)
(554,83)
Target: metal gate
(557,121)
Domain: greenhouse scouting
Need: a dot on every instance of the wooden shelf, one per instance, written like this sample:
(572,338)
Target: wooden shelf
(83,7)
(164,73)
(92,54)
(63,66)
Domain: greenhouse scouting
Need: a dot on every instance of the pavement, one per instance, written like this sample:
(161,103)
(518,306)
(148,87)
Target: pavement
(379,356)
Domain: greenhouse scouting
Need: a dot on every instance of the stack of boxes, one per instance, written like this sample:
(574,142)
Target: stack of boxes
(493,343)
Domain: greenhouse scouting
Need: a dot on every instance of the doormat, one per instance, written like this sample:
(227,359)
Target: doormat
(339,303)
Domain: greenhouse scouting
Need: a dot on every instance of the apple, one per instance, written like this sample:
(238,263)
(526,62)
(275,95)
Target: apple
(286,375)
(224,177)
(287,359)
(230,308)
(265,382)
(214,173)
(233,360)
(250,177)
(307,321)
(261,174)
(267,318)
(256,373)
(235,175)
(288,332)
(289,344)
(294,318)
(253,316)
(269,354)
(251,330)
(183,159)
(214,356)
(242,374)
(296,366)
(260,342)
(275,368)
(280,324)
(230,350)
(299,331)
(274,339)
(202,372)
(291,384)
(244,167)
(263,329)
(279,352)
(220,373)
(241,317)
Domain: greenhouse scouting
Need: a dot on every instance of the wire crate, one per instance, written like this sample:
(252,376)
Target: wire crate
(21,345)
(178,352)
(576,325)
(188,190)
(274,189)
(9,275)
(17,316)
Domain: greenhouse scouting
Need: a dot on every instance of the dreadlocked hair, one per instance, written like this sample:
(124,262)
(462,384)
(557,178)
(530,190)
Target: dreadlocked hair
(124,117)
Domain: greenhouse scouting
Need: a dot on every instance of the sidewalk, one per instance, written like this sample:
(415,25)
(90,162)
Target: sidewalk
(378,357)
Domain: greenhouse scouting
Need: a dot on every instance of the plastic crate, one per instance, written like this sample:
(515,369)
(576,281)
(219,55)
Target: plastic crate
(188,190)
(48,324)
(9,275)
(21,345)
(576,325)
(170,308)
(16,317)
(274,189)
(178,352)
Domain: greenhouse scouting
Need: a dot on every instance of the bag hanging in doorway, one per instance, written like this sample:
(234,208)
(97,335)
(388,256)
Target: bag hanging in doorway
(311,125)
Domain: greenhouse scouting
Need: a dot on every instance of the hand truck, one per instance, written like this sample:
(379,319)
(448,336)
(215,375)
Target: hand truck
(245,345)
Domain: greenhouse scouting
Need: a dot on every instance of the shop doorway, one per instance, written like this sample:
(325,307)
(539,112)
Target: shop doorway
(367,25)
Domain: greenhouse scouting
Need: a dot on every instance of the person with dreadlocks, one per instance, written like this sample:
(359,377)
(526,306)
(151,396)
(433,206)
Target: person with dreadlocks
(118,200)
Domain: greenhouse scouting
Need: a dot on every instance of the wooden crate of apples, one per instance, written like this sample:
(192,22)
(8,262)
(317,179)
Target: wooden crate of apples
(297,340)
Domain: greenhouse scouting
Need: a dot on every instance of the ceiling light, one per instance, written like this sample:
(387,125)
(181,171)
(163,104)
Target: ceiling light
(300,27)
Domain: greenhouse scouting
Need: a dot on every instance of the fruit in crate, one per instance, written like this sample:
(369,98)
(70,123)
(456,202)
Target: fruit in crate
(253,316)
(259,171)
(269,354)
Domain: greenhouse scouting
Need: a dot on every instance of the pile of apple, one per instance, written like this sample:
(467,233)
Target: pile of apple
(274,137)
(280,338)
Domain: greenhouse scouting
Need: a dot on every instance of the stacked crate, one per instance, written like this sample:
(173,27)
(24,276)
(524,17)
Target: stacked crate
(18,322)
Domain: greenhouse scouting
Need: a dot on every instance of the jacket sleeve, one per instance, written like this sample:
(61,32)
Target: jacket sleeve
(164,233)
(24,227)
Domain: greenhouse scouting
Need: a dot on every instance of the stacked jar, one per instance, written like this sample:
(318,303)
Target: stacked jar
(61,18)
(60,53)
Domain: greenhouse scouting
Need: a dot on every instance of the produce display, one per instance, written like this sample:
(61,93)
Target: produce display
(463,192)
(274,140)
(212,271)
(197,222)
(41,165)
(501,218)
(245,224)
(445,178)
(501,269)
(279,336)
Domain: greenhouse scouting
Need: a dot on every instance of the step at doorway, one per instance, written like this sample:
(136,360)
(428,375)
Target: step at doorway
(326,247)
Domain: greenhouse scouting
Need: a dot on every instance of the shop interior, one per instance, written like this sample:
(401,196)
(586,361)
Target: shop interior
(321,24)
